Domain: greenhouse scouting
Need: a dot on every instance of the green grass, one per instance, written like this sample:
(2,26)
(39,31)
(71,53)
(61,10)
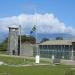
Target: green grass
(33,70)
(36,70)
(15,60)
(19,60)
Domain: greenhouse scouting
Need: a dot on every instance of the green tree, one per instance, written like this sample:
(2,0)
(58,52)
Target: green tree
(59,38)
(3,45)
(27,39)
(44,39)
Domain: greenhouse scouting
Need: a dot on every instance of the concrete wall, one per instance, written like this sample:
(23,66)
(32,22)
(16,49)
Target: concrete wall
(68,62)
(26,50)
(13,41)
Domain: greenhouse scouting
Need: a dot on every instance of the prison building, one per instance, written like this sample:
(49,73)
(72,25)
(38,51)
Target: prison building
(13,40)
(62,49)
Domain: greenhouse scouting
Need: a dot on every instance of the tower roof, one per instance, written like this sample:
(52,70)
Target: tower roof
(13,27)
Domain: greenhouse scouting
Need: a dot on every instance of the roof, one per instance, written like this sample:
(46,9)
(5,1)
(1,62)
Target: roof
(57,42)
(14,26)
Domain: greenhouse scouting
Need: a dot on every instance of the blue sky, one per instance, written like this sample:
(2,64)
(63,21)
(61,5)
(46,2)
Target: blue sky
(60,13)
(63,9)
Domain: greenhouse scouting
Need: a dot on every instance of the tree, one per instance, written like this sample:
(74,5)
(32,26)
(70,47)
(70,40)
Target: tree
(59,38)
(44,39)
(27,39)
(3,45)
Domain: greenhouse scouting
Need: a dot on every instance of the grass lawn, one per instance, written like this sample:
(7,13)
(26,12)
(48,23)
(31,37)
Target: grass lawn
(33,70)
(36,70)
(20,60)
(15,60)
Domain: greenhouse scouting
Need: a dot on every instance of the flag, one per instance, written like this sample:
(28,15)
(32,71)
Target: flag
(33,29)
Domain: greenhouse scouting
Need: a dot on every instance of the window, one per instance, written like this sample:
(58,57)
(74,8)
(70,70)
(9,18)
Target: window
(45,46)
(40,46)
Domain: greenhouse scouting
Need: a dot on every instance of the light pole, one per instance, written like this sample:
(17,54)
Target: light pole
(37,57)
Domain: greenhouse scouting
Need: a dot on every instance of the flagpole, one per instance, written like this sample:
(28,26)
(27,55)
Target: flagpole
(37,57)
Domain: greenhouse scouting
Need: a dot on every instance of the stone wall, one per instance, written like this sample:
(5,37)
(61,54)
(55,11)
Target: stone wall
(13,41)
(26,50)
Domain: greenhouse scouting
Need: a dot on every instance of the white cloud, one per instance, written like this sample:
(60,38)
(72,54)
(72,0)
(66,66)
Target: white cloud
(46,23)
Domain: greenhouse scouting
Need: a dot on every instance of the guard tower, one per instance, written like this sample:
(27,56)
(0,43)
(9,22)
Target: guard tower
(13,40)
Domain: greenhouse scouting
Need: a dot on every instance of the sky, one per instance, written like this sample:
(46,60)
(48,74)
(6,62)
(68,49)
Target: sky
(50,16)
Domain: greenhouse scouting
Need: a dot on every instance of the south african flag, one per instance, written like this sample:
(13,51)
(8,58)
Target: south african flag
(33,29)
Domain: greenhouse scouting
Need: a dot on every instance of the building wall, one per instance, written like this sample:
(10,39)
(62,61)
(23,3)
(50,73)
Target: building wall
(58,51)
(73,45)
(26,50)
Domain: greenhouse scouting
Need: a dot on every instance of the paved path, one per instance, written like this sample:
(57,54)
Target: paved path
(20,65)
